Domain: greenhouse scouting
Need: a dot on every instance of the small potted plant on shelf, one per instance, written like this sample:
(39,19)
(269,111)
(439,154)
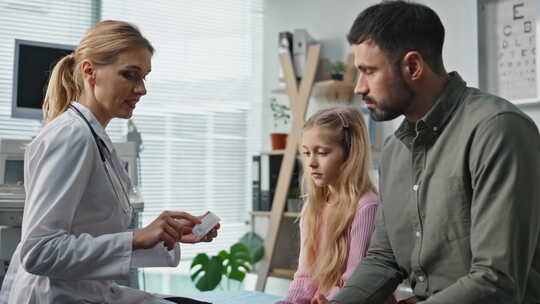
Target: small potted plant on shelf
(337,69)
(282,116)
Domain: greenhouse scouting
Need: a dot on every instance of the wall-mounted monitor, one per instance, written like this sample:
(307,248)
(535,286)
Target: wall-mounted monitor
(33,63)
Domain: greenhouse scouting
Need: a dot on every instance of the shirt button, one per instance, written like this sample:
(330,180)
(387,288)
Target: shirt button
(421,278)
(418,234)
(415,187)
(435,129)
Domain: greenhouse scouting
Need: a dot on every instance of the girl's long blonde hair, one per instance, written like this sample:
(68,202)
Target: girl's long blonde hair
(101,45)
(327,266)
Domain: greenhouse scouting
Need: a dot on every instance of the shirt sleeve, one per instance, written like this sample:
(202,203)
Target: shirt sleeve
(302,290)
(58,167)
(505,212)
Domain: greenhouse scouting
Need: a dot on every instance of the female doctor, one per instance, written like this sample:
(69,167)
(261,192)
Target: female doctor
(74,238)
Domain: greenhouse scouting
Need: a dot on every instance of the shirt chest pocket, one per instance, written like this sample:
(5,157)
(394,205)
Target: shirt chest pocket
(446,208)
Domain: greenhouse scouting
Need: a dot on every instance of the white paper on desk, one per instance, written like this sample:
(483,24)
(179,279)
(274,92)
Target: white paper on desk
(157,256)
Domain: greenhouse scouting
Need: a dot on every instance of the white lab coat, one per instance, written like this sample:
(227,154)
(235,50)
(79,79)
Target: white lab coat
(74,238)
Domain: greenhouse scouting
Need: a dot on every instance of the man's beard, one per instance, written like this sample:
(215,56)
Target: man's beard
(402,97)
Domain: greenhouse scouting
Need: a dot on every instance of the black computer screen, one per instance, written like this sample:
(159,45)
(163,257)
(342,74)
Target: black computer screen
(33,64)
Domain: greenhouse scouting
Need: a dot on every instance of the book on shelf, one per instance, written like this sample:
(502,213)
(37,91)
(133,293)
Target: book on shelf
(266,169)
(256,184)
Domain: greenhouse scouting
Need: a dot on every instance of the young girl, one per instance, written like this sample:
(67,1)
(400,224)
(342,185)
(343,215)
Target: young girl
(341,201)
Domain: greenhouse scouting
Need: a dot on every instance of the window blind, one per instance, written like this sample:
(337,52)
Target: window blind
(200,119)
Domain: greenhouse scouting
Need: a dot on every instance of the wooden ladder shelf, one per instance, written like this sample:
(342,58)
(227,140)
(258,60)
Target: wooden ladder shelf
(299,97)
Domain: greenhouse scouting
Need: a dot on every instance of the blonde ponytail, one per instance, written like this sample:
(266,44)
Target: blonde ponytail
(62,88)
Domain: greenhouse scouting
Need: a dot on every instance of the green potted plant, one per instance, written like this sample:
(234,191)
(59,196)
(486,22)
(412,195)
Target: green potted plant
(208,271)
(282,115)
(337,70)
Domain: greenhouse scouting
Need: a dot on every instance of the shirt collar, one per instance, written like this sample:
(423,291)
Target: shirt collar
(436,118)
(98,128)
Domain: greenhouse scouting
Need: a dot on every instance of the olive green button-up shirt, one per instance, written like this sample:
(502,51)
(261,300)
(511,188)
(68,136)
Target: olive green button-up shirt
(460,206)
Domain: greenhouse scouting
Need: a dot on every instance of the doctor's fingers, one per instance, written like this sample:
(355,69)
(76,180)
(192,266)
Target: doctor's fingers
(168,240)
(210,235)
(213,233)
(172,230)
(162,232)
(182,216)
(179,227)
(207,238)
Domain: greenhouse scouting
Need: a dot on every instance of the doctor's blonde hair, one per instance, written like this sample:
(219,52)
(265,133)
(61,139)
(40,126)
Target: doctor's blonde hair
(327,266)
(101,45)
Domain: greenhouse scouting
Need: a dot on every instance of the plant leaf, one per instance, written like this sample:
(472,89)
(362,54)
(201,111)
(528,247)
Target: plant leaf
(237,262)
(208,276)
(255,244)
(223,255)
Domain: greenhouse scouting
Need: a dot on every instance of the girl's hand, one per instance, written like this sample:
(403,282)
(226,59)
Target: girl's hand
(319,299)
(169,227)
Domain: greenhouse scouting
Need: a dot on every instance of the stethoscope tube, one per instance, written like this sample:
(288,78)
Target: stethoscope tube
(103,153)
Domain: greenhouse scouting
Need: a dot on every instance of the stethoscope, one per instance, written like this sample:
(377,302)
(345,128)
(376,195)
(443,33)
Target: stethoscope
(105,156)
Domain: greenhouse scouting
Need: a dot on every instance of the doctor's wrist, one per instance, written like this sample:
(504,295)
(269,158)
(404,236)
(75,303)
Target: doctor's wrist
(135,244)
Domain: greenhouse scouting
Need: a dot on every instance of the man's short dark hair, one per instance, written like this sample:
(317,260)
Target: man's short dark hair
(398,27)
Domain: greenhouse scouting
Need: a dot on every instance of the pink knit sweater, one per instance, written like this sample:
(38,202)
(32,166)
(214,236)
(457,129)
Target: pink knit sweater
(302,290)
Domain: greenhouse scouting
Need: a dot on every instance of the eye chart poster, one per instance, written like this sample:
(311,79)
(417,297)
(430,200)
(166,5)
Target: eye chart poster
(507,43)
